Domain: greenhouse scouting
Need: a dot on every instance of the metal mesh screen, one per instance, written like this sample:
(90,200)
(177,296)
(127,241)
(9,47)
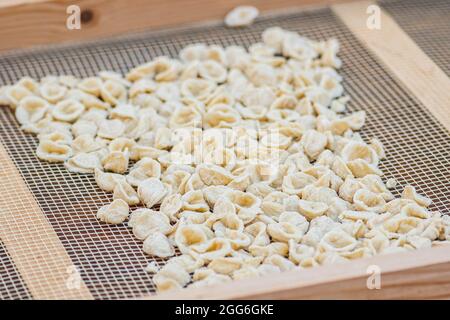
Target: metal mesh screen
(11,284)
(427,23)
(110,259)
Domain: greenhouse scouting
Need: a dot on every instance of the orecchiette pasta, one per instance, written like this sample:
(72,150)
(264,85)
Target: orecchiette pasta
(252,156)
(116,212)
(241,16)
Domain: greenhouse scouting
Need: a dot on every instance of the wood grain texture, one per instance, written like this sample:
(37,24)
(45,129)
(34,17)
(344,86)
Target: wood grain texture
(25,23)
(421,274)
(394,48)
(30,240)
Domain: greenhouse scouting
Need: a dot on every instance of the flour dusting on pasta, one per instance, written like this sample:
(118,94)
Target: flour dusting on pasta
(244,160)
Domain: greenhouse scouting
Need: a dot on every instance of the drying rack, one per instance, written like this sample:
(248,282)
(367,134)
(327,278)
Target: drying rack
(49,235)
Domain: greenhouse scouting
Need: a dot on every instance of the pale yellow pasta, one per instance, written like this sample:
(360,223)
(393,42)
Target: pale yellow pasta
(116,161)
(106,180)
(31,109)
(151,191)
(410,193)
(156,244)
(83,163)
(52,92)
(53,152)
(116,212)
(124,191)
(67,110)
(145,221)
(241,16)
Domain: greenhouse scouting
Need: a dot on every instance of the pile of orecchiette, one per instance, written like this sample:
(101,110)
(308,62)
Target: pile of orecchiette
(250,154)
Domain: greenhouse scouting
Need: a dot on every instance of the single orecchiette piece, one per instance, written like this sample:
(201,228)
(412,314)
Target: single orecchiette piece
(144,169)
(410,193)
(366,200)
(53,151)
(311,209)
(146,221)
(116,161)
(124,191)
(31,109)
(83,163)
(152,191)
(110,129)
(114,213)
(106,180)
(314,143)
(52,92)
(241,16)
(157,244)
(68,110)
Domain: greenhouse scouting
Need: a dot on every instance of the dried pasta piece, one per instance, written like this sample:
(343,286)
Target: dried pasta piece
(86,143)
(116,161)
(144,169)
(152,191)
(171,206)
(53,152)
(157,244)
(152,267)
(84,127)
(222,116)
(146,221)
(391,183)
(311,209)
(192,234)
(314,143)
(415,210)
(281,262)
(124,191)
(52,92)
(110,129)
(113,92)
(241,16)
(225,265)
(31,109)
(68,110)
(114,213)
(410,193)
(83,163)
(212,249)
(361,168)
(337,240)
(91,85)
(173,272)
(106,180)
(358,150)
(294,183)
(366,200)
(14,94)
(213,175)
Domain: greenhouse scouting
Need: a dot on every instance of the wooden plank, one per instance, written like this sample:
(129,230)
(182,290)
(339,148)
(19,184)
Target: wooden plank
(421,274)
(32,243)
(25,23)
(402,56)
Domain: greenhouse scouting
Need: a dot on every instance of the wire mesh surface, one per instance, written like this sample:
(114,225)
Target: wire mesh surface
(427,23)
(11,283)
(110,259)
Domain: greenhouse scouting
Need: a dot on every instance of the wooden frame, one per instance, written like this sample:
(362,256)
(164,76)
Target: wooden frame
(418,274)
(22,21)
(402,56)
